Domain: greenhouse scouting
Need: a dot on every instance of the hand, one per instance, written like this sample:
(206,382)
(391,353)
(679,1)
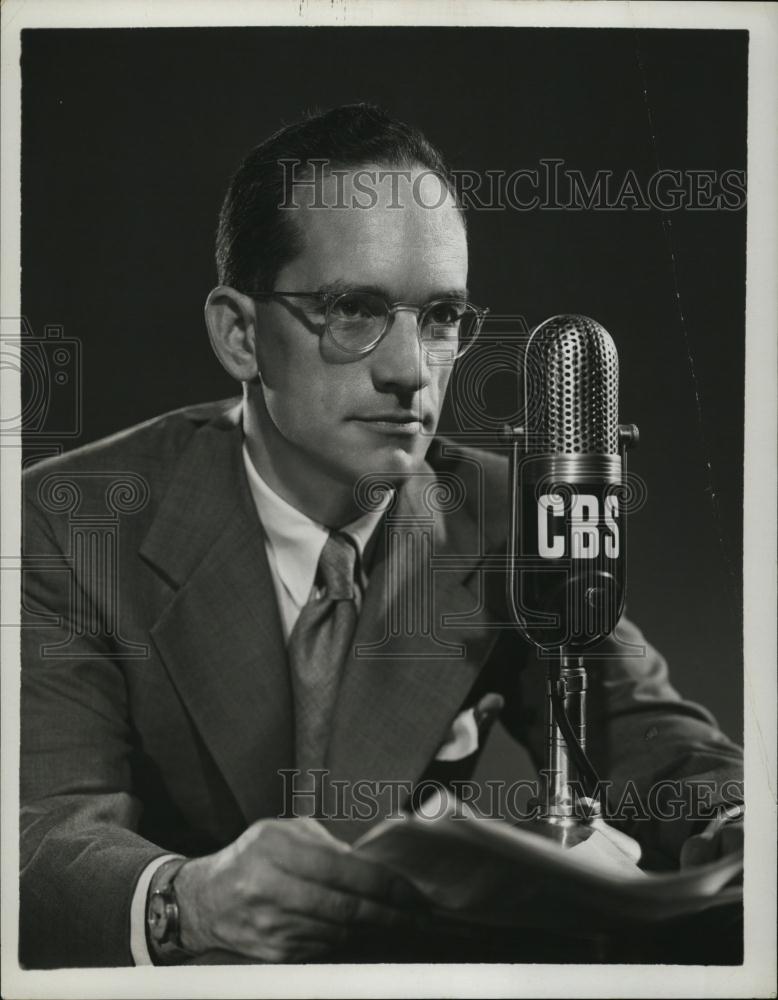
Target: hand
(722,836)
(286,891)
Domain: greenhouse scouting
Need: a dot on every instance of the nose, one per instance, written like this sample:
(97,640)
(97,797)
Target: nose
(398,363)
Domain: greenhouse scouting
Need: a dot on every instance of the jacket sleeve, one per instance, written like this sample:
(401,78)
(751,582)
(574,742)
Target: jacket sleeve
(665,763)
(81,855)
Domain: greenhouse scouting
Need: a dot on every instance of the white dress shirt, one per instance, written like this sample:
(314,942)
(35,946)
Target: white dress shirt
(293,543)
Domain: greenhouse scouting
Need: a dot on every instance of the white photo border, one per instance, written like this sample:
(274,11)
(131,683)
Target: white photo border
(756,977)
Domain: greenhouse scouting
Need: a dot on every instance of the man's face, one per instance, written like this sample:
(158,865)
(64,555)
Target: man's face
(346,416)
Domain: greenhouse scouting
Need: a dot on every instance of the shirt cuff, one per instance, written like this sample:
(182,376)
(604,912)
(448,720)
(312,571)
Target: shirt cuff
(138,947)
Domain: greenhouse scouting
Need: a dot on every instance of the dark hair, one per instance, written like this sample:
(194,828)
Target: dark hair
(255,238)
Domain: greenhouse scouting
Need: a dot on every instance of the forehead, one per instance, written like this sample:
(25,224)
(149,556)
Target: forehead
(396,228)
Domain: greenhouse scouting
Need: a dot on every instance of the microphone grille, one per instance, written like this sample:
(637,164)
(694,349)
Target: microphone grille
(573,375)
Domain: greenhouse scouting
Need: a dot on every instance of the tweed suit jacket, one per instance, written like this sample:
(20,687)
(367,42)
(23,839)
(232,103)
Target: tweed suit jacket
(157,711)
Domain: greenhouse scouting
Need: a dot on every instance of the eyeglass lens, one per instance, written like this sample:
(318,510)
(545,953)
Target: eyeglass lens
(356,321)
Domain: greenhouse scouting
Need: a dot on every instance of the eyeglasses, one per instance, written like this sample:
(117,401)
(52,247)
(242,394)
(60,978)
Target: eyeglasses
(356,321)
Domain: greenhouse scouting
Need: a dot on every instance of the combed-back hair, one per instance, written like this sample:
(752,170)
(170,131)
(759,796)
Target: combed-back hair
(256,237)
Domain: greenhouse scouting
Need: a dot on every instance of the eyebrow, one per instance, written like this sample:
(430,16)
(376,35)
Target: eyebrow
(338,286)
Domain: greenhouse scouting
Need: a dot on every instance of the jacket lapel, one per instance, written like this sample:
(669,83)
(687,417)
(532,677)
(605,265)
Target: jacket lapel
(422,636)
(414,656)
(220,637)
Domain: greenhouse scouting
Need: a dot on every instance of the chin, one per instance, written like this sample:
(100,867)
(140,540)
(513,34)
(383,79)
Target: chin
(394,463)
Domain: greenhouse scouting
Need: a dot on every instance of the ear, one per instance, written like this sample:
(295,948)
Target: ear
(231,322)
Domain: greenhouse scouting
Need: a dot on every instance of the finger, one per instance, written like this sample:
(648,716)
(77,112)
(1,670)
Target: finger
(313,830)
(320,936)
(696,851)
(274,935)
(293,926)
(321,902)
(301,949)
(346,872)
(288,950)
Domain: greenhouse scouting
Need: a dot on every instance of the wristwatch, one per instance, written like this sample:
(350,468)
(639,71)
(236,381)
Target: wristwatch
(163,919)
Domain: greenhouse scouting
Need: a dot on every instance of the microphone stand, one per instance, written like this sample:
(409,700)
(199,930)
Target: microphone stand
(563,816)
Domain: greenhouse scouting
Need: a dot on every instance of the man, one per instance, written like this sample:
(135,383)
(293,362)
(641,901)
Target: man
(234,615)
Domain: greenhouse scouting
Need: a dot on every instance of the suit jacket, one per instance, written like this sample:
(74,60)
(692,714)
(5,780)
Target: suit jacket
(156,701)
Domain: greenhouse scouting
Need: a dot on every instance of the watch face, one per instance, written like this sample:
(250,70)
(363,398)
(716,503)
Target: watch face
(157,916)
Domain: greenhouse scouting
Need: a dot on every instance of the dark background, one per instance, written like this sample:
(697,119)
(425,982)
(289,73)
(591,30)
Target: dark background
(129,137)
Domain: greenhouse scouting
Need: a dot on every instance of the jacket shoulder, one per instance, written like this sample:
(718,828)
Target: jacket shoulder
(149,447)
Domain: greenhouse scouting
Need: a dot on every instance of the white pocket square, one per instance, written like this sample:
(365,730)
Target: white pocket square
(463,737)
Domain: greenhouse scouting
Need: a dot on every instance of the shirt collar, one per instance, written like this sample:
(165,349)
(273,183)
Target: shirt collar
(295,539)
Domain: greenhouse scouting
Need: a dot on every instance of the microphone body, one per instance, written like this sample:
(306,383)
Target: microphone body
(568,534)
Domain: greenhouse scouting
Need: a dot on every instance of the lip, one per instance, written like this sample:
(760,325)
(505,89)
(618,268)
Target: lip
(385,423)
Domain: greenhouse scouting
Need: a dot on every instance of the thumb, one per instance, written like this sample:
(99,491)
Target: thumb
(313,830)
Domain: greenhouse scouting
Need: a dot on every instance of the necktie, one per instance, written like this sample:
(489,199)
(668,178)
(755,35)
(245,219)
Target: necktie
(317,648)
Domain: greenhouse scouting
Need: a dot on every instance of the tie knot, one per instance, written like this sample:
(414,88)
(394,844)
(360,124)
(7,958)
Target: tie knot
(337,567)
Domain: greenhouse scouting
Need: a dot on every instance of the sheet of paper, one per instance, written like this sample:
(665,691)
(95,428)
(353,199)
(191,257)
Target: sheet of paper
(489,871)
